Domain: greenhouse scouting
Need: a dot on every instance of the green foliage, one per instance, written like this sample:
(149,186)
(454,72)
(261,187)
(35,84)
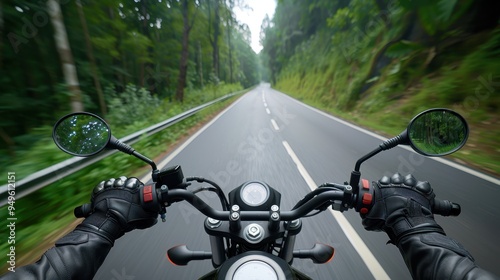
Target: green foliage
(57,200)
(341,19)
(402,48)
(133,48)
(437,16)
(211,91)
(481,59)
(446,8)
(381,65)
(129,106)
(136,45)
(43,152)
(134,42)
(106,44)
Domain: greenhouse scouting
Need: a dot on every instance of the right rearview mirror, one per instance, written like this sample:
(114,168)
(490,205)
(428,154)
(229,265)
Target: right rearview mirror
(437,132)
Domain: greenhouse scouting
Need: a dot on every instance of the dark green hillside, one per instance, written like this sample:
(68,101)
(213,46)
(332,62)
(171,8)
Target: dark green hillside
(380,62)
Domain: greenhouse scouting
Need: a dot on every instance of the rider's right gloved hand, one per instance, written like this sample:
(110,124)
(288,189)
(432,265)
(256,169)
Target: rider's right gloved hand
(403,206)
(116,209)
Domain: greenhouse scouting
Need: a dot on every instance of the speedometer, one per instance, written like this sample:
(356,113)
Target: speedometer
(254,194)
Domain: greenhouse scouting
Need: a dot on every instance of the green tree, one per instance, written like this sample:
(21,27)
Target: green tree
(109,44)
(64,49)
(188,24)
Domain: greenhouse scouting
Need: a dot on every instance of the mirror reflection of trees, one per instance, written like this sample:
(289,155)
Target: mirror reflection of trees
(438,132)
(82,134)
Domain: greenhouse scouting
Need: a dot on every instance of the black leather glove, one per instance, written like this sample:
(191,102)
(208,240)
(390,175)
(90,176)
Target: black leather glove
(403,206)
(116,209)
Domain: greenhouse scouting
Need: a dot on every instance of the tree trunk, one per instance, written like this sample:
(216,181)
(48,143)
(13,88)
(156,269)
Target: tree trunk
(179,95)
(149,67)
(146,68)
(120,81)
(63,48)
(215,41)
(90,54)
(230,46)
(200,64)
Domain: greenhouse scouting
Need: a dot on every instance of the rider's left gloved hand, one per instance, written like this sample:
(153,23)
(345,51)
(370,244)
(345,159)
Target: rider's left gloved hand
(403,206)
(116,209)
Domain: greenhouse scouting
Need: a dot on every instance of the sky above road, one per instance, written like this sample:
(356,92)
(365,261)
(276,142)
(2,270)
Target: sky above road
(253,18)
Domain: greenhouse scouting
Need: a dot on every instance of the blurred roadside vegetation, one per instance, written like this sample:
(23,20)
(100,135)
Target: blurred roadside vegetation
(135,63)
(45,215)
(74,55)
(378,63)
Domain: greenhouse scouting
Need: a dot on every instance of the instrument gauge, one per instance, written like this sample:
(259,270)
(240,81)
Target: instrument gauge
(254,194)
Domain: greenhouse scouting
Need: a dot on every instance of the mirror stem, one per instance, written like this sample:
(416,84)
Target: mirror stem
(145,159)
(386,145)
(402,138)
(117,144)
(355,174)
(120,146)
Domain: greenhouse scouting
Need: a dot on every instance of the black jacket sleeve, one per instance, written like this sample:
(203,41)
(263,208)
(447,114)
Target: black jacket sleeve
(436,256)
(77,255)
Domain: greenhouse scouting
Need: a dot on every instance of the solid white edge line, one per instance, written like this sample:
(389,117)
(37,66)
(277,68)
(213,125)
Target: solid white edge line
(366,255)
(268,112)
(190,139)
(441,160)
(275,125)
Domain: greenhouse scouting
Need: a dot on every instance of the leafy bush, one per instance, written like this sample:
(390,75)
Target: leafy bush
(130,106)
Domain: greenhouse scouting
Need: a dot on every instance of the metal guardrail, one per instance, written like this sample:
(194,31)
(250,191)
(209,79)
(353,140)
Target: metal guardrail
(58,171)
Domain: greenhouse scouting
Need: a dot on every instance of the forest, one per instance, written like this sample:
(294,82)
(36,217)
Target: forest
(380,62)
(134,63)
(100,56)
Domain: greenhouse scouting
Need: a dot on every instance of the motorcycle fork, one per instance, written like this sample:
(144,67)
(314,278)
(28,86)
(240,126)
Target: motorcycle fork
(218,252)
(286,252)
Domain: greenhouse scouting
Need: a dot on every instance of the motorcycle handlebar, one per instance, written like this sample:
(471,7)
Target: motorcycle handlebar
(446,208)
(83,211)
(291,215)
(440,207)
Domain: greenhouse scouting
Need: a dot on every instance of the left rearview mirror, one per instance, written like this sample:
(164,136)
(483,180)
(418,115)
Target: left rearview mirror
(81,134)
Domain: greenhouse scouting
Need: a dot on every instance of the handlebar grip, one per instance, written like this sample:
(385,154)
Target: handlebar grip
(446,208)
(83,211)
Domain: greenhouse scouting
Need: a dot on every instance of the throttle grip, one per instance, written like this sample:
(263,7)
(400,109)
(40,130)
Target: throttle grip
(446,208)
(83,211)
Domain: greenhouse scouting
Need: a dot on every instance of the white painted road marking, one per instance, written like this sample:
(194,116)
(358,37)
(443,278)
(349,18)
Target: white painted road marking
(268,112)
(275,125)
(366,255)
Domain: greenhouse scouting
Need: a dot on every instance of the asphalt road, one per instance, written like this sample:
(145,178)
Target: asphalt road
(246,143)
